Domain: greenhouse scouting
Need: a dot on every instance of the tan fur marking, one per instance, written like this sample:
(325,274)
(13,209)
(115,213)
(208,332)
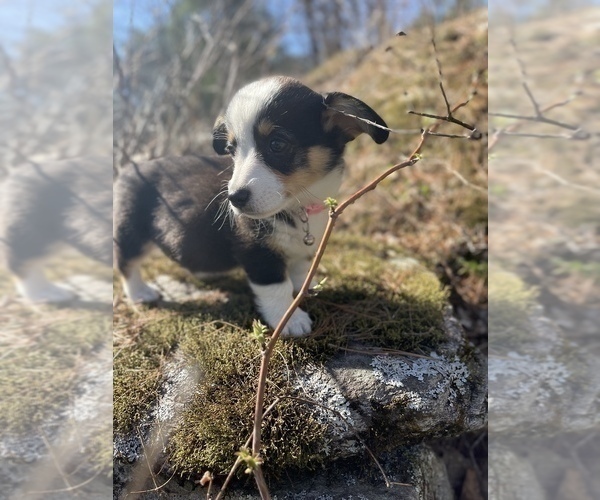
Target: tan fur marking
(265,127)
(317,159)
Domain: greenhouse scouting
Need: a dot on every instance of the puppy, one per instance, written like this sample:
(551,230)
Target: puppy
(46,207)
(259,206)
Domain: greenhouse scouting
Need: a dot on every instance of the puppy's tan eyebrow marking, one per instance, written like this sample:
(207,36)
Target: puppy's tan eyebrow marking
(265,127)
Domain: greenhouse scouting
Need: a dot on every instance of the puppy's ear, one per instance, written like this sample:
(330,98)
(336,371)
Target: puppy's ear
(220,134)
(336,115)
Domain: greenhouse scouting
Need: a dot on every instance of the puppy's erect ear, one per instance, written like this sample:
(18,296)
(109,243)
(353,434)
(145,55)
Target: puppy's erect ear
(220,136)
(340,106)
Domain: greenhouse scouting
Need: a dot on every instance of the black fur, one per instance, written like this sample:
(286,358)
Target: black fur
(65,202)
(171,203)
(181,205)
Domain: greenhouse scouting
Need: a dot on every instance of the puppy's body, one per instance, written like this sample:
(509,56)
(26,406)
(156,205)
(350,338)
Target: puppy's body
(65,203)
(261,207)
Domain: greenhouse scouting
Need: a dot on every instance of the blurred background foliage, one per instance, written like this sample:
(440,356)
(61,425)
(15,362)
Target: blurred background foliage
(178,63)
(55,81)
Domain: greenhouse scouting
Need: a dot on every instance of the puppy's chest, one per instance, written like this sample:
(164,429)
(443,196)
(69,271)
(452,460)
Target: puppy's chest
(290,239)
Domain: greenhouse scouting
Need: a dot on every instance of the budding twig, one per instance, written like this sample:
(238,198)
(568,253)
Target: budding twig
(336,210)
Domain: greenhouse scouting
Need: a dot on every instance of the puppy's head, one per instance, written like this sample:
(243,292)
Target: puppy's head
(283,138)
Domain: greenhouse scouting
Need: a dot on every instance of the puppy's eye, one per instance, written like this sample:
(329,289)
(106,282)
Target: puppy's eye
(277,145)
(230,148)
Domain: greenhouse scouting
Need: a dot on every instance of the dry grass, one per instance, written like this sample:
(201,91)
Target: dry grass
(433,213)
(544,193)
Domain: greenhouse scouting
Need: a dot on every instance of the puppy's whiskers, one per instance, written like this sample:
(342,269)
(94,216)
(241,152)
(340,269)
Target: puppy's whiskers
(223,191)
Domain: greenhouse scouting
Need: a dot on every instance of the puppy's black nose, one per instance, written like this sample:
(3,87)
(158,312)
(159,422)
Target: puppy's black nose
(239,198)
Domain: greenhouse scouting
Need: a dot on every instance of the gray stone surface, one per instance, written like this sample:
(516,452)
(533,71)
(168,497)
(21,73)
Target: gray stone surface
(415,473)
(544,384)
(406,399)
(511,476)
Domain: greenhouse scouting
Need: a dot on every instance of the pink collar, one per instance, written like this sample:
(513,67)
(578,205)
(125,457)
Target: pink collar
(315,208)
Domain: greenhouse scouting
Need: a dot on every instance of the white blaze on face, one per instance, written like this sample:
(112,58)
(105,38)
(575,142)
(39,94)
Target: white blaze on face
(250,172)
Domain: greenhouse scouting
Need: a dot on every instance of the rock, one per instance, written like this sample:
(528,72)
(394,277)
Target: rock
(544,393)
(511,476)
(398,399)
(388,401)
(415,473)
(543,384)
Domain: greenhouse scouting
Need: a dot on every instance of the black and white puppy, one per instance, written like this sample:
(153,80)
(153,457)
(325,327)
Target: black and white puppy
(47,207)
(260,207)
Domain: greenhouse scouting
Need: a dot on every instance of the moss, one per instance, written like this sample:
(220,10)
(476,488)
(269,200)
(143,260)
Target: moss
(385,434)
(372,301)
(587,269)
(137,368)
(510,304)
(99,449)
(368,300)
(218,421)
(39,371)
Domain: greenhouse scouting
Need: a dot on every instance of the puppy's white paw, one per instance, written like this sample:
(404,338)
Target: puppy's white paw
(273,301)
(144,295)
(137,290)
(47,293)
(299,325)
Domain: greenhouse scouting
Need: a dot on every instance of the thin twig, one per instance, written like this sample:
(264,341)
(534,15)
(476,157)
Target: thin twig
(578,135)
(55,460)
(157,488)
(539,114)
(475,134)
(465,181)
(381,352)
(304,290)
(64,490)
(238,460)
(537,118)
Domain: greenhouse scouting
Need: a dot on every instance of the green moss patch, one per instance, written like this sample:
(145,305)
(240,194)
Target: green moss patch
(367,301)
(39,368)
(371,298)
(219,419)
(47,354)
(510,304)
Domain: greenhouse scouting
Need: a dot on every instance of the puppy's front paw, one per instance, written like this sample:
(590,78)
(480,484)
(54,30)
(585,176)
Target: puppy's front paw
(47,293)
(273,301)
(144,295)
(299,324)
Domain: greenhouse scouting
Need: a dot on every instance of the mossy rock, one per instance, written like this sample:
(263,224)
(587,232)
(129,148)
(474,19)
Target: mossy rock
(369,302)
(511,302)
(56,383)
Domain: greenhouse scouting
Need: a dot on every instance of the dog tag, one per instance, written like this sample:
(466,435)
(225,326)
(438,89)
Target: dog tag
(309,239)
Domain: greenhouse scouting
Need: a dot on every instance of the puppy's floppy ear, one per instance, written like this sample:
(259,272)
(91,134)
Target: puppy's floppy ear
(338,103)
(220,136)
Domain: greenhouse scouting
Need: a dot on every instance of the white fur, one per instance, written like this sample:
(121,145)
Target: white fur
(250,171)
(274,300)
(135,288)
(291,240)
(267,190)
(245,107)
(36,288)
